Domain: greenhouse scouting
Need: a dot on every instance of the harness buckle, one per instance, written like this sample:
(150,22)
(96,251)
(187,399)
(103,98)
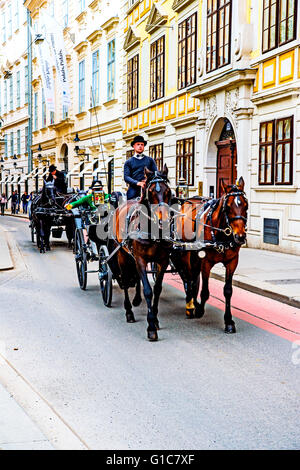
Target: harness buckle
(228,231)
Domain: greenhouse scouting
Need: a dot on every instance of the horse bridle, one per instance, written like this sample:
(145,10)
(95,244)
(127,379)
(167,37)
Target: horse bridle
(155,180)
(229,220)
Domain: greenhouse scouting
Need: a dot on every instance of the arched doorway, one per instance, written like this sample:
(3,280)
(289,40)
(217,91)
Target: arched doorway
(64,156)
(226,157)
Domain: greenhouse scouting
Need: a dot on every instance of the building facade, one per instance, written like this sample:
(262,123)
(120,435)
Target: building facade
(85,138)
(14,97)
(214,87)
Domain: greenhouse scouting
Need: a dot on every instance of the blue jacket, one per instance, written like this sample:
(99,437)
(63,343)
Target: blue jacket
(134,169)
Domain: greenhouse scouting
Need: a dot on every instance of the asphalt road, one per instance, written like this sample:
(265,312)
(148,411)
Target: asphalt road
(196,388)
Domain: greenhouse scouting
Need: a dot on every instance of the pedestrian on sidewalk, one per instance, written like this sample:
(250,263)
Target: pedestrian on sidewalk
(14,201)
(3,202)
(25,200)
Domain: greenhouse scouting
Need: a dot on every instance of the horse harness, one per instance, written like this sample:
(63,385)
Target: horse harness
(221,246)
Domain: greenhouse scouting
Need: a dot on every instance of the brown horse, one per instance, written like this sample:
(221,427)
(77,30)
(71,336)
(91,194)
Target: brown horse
(224,222)
(140,248)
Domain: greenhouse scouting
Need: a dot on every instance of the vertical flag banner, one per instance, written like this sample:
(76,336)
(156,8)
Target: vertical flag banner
(57,44)
(45,63)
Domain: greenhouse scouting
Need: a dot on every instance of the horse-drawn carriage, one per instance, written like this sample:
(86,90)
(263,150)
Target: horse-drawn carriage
(189,235)
(48,215)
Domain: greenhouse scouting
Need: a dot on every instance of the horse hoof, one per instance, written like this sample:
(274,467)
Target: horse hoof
(230,329)
(130,318)
(152,335)
(190,314)
(199,313)
(137,301)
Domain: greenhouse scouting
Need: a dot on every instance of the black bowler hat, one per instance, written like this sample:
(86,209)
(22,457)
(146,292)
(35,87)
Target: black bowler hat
(138,138)
(97,184)
(52,168)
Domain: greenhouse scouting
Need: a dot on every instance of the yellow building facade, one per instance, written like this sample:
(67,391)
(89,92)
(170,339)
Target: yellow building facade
(225,105)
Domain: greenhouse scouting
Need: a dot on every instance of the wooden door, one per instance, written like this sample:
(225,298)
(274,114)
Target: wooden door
(226,163)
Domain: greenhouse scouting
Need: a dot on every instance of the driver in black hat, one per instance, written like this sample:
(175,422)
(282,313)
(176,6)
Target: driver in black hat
(135,166)
(59,179)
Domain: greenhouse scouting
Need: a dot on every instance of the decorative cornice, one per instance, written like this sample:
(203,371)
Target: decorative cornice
(157,17)
(81,18)
(94,36)
(111,23)
(81,47)
(64,124)
(233,78)
(94,4)
(180,4)
(132,39)
(275,95)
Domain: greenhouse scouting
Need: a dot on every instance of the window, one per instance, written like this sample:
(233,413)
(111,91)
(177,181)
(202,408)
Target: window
(279,23)
(218,34)
(5,96)
(51,8)
(6,145)
(18,142)
(65,13)
(82,5)
(17,19)
(81,86)
(11,94)
(3,28)
(9,21)
(132,83)
(157,69)
(26,139)
(26,83)
(52,117)
(111,69)
(65,112)
(276,152)
(156,152)
(129,154)
(11,144)
(185,160)
(95,80)
(187,52)
(35,111)
(44,114)
(18,90)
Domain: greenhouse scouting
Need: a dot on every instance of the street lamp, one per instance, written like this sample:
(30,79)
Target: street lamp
(182,190)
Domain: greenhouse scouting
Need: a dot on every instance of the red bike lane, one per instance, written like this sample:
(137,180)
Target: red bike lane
(270,315)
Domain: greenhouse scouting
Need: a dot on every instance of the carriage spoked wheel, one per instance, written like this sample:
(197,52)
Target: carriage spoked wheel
(81,259)
(105,276)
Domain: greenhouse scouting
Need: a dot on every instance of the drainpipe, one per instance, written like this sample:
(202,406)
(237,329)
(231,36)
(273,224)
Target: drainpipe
(29,84)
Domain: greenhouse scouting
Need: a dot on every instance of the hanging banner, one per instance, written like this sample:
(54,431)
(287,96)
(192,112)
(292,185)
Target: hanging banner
(45,63)
(57,44)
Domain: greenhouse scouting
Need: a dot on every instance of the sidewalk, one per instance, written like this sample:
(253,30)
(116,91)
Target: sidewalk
(17,431)
(20,214)
(268,273)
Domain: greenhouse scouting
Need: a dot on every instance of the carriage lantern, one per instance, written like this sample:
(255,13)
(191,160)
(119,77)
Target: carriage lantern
(182,190)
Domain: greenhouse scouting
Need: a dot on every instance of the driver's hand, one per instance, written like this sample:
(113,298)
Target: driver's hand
(55,177)
(142,184)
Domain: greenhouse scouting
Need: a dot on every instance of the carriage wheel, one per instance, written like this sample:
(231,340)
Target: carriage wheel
(81,259)
(105,276)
